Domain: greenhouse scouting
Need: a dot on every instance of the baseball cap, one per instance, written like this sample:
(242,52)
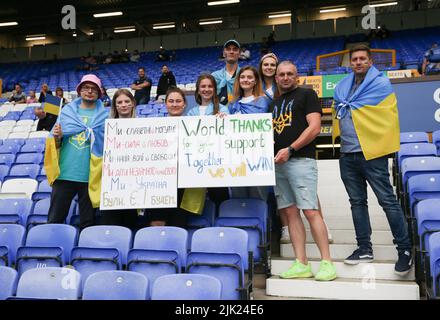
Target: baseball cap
(92,79)
(233,42)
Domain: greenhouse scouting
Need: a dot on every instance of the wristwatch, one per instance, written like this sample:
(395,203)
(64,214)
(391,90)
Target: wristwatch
(291,150)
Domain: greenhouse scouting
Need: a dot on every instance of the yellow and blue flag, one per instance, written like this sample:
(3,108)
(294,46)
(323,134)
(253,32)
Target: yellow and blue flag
(52,104)
(71,124)
(374,112)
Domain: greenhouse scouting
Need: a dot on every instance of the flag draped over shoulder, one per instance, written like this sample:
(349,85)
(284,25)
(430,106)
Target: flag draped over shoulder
(222,81)
(374,112)
(71,124)
(259,105)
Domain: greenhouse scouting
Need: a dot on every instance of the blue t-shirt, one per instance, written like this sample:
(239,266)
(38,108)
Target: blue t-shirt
(75,152)
(349,139)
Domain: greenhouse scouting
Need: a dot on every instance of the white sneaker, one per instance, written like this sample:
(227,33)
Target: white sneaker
(285,236)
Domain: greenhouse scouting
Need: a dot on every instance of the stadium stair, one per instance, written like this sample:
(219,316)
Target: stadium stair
(366,281)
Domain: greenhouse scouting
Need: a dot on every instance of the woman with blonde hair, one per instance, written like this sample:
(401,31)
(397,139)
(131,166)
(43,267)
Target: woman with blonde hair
(267,69)
(248,93)
(123,107)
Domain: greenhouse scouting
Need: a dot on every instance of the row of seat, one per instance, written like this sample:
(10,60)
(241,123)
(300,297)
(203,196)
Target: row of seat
(417,178)
(222,252)
(50,283)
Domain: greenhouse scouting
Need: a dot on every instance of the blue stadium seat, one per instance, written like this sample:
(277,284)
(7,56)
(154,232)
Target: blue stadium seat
(116,285)
(415,150)
(14,142)
(4,171)
(24,171)
(44,190)
(421,187)
(158,251)
(7,159)
(9,149)
(418,165)
(8,280)
(15,210)
(39,213)
(222,253)
(101,248)
(29,158)
(12,236)
(252,216)
(413,137)
(433,273)
(47,245)
(206,219)
(49,283)
(186,287)
(34,145)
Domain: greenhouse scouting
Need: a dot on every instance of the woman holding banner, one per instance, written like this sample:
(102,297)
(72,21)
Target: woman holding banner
(249,98)
(208,104)
(189,201)
(123,107)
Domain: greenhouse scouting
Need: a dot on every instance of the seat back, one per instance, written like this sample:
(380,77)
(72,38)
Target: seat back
(428,218)
(186,287)
(434,261)
(116,285)
(12,236)
(423,186)
(8,280)
(50,283)
(416,150)
(418,165)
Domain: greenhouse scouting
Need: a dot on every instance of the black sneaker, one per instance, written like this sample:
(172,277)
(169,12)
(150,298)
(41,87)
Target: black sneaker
(403,265)
(360,256)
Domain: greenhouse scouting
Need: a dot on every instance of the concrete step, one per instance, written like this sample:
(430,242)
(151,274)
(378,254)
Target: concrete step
(377,222)
(342,251)
(344,209)
(341,288)
(363,271)
(349,237)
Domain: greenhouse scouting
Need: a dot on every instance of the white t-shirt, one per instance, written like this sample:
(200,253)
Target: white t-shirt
(202,110)
(270,91)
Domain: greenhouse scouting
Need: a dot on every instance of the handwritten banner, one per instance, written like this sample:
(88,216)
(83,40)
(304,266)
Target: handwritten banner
(140,164)
(233,151)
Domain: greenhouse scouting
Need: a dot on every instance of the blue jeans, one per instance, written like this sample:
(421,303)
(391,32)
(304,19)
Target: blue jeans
(355,173)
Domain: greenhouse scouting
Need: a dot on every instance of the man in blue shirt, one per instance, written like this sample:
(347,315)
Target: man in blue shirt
(225,77)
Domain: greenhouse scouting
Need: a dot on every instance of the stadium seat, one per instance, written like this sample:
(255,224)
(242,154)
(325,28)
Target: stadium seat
(33,145)
(418,165)
(29,158)
(15,210)
(39,134)
(47,245)
(186,287)
(19,188)
(26,129)
(44,190)
(18,135)
(12,236)
(101,248)
(421,187)
(222,253)
(415,150)
(8,281)
(158,251)
(7,159)
(252,216)
(24,171)
(116,285)
(9,149)
(4,171)
(24,123)
(49,283)
(206,219)
(433,273)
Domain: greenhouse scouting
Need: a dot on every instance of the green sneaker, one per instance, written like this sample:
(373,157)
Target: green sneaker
(327,271)
(298,270)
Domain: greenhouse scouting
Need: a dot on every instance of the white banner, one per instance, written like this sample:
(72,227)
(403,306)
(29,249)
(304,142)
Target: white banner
(139,164)
(233,151)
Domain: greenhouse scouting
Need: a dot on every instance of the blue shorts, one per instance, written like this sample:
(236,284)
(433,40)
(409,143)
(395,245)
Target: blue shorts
(297,183)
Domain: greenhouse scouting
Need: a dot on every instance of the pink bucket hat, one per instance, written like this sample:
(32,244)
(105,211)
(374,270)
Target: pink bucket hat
(92,79)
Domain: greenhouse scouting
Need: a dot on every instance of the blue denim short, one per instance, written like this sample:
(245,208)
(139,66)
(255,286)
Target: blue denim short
(297,183)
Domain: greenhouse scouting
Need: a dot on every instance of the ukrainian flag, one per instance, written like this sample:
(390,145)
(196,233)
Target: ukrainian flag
(71,124)
(374,111)
(52,104)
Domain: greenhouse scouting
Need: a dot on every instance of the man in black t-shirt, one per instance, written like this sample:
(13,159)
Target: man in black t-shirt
(166,81)
(296,117)
(142,87)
